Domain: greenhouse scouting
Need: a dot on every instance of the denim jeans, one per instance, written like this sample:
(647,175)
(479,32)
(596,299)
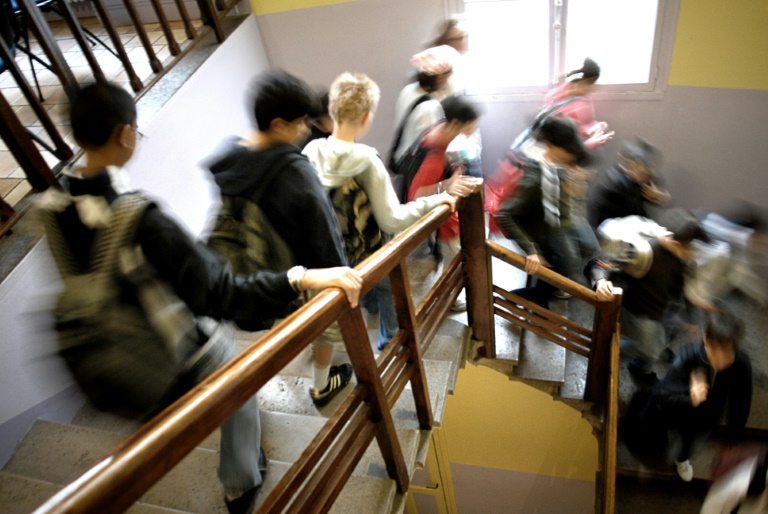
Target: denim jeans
(379,299)
(241,433)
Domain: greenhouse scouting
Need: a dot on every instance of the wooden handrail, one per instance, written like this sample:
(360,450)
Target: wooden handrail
(546,274)
(129,470)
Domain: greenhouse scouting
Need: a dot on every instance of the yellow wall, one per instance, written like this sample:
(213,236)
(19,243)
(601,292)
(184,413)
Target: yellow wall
(274,6)
(721,44)
(493,422)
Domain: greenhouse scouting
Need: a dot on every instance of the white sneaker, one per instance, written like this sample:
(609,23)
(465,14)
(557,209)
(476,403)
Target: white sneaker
(685,470)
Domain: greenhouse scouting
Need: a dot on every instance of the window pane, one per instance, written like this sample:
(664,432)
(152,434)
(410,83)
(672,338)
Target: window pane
(508,44)
(618,34)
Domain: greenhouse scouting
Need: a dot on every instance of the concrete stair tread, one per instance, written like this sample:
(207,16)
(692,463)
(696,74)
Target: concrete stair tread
(285,436)
(59,453)
(21,495)
(360,494)
(703,462)
(507,338)
(541,361)
(575,376)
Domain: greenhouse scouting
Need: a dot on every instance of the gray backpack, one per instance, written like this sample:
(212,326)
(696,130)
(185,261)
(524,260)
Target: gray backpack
(126,337)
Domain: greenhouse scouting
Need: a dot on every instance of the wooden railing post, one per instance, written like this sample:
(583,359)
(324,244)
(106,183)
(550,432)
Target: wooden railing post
(610,432)
(478,268)
(604,327)
(401,292)
(39,26)
(361,356)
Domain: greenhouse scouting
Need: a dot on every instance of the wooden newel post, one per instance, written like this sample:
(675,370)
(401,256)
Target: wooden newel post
(605,325)
(477,266)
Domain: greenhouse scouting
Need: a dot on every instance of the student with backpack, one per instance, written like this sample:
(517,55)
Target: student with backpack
(418,106)
(135,283)
(538,215)
(360,188)
(437,171)
(266,169)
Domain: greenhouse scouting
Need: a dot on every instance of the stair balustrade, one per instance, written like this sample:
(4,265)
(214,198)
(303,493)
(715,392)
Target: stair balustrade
(317,477)
(31,19)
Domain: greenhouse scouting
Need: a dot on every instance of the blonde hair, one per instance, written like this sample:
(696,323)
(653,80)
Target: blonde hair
(352,95)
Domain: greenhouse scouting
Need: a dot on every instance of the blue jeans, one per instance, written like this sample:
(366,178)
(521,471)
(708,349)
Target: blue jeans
(241,433)
(379,299)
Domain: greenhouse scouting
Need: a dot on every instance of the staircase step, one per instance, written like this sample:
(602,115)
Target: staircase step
(703,463)
(450,345)
(360,494)
(21,495)
(541,362)
(575,376)
(59,453)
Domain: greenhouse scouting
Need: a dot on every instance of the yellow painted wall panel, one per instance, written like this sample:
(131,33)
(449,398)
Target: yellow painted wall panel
(721,44)
(493,422)
(275,6)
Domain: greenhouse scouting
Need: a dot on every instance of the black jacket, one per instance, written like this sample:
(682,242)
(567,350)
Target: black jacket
(522,216)
(295,202)
(730,391)
(614,195)
(200,278)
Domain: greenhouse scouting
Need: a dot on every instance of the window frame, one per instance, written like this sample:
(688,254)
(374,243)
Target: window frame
(661,59)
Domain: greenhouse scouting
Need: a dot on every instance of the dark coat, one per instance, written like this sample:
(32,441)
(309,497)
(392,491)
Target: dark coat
(295,203)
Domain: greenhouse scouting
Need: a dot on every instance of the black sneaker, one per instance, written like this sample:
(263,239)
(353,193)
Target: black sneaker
(337,378)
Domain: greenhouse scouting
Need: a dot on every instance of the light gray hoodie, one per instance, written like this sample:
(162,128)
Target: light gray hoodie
(337,161)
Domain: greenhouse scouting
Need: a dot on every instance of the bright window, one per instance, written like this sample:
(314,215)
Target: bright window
(526,45)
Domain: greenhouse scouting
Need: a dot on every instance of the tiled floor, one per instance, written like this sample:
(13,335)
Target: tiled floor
(13,185)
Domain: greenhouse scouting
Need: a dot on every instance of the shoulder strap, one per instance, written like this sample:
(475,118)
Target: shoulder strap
(126,211)
(401,128)
(549,111)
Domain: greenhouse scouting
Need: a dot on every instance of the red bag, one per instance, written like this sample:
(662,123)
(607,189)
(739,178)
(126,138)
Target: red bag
(501,186)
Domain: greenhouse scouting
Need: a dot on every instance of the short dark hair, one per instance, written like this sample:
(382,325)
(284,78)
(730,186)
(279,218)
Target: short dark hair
(723,326)
(640,150)
(563,133)
(683,224)
(277,94)
(97,109)
(459,109)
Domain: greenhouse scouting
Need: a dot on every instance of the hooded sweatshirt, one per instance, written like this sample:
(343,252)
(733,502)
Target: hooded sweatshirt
(295,203)
(337,161)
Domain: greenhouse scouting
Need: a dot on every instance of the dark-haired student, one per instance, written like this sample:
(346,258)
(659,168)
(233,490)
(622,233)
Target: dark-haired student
(103,118)
(707,380)
(294,202)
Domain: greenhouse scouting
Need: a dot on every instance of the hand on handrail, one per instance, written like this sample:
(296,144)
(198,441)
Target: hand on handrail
(349,280)
(535,261)
(605,291)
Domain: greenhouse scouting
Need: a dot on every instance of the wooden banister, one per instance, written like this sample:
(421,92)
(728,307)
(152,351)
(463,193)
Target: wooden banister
(128,471)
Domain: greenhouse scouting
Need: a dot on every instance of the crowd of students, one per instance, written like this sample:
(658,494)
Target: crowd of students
(333,203)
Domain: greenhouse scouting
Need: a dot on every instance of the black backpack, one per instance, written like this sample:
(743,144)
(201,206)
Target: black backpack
(409,164)
(125,335)
(392,163)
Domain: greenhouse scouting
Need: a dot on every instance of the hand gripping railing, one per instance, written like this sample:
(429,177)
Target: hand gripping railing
(317,477)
